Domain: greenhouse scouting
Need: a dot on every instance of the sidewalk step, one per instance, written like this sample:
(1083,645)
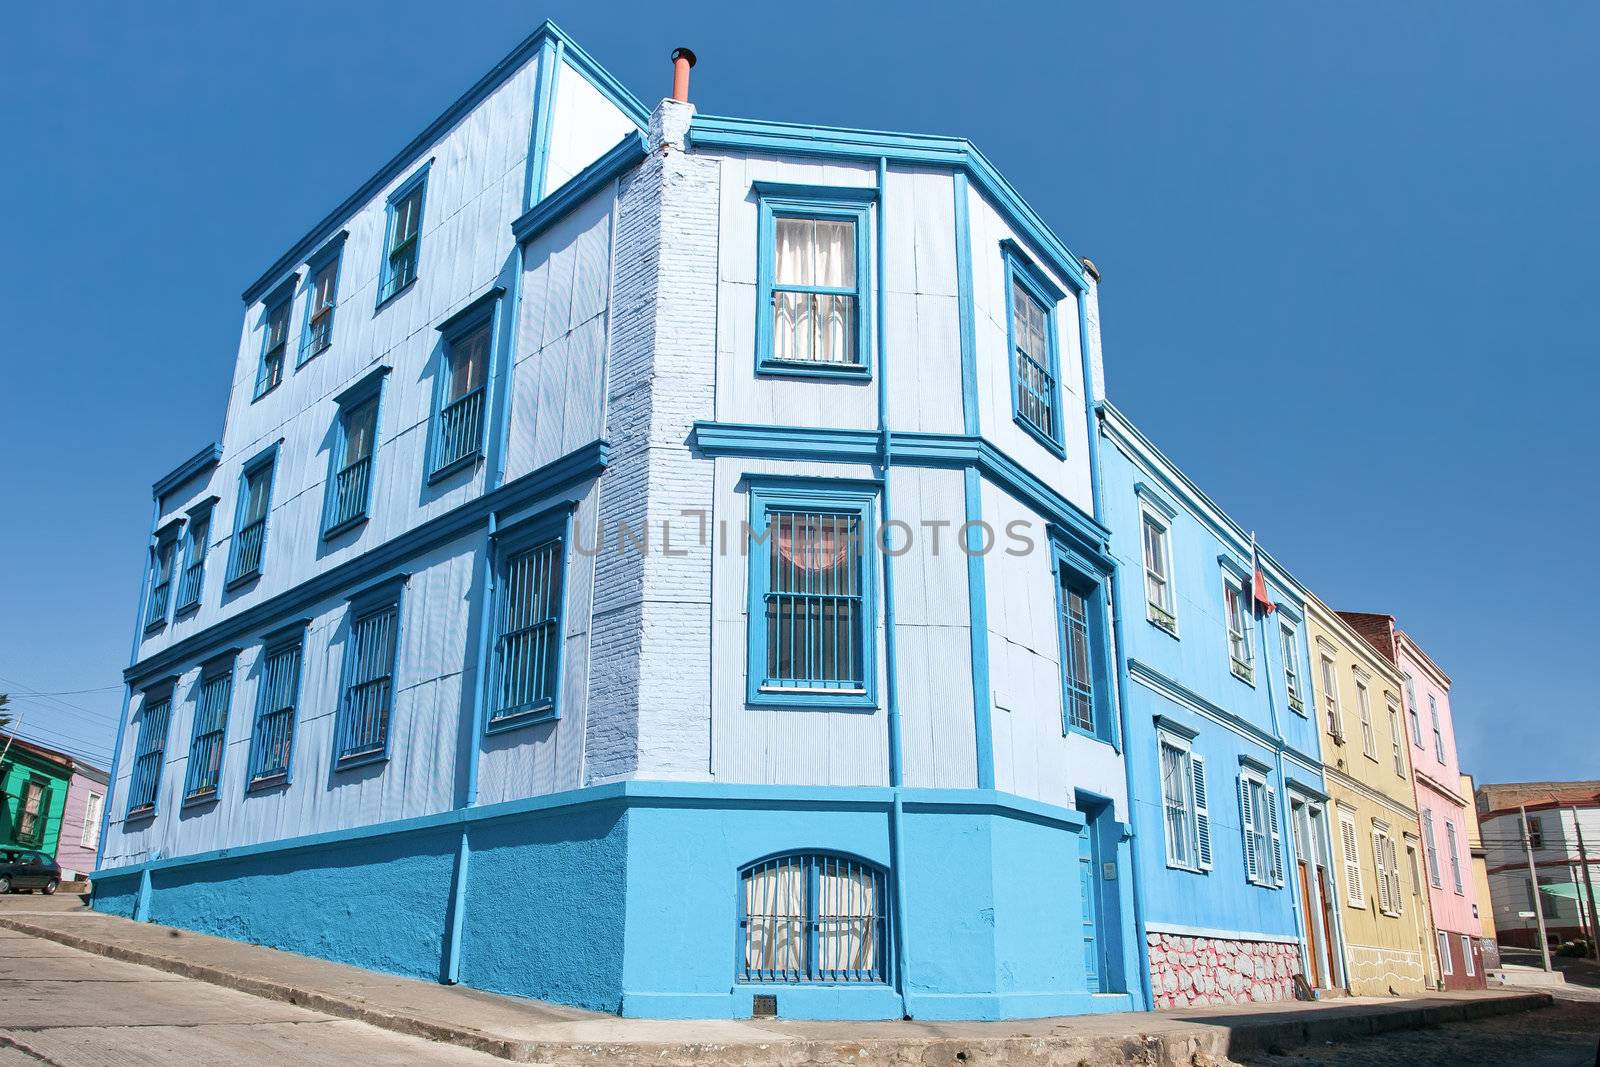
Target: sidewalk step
(527,1031)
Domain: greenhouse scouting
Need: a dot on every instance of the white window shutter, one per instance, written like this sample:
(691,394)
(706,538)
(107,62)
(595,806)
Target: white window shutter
(1352,863)
(1383,871)
(1202,812)
(1247,822)
(1277,840)
(1394,881)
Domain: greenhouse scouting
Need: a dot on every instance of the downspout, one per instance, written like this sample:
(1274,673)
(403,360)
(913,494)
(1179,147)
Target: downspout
(891,669)
(127,697)
(1093,413)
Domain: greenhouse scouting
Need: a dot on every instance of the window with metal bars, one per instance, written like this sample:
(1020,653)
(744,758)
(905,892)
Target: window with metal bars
(368,700)
(250,520)
(811,917)
(1080,635)
(812,279)
(1031,301)
(458,425)
(349,489)
(316,336)
(403,237)
(272,736)
(274,343)
(811,610)
(161,566)
(208,742)
(196,541)
(527,650)
(149,755)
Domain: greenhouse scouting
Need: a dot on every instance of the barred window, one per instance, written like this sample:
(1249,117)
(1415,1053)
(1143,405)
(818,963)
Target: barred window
(813,602)
(250,523)
(528,634)
(369,685)
(272,738)
(208,744)
(349,493)
(458,435)
(274,342)
(149,755)
(811,918)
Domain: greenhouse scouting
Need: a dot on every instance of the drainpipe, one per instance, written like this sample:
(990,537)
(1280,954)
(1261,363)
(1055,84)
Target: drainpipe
(1124,684)
(891,681)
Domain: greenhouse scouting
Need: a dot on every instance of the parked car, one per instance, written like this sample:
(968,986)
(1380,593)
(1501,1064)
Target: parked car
(28,870)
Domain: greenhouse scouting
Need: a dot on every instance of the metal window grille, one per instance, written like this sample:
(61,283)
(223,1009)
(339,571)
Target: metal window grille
(1079,679)
(348,499)
(161,590)
(814,292)
(527,650)
(272,740)
(148,755)
(207,746)
(1036,386)
(813,602)
(1176,779)
(811,918)
(460,432)
(194,568)
(369,689)
(252,536)
(404,243)
(273,345)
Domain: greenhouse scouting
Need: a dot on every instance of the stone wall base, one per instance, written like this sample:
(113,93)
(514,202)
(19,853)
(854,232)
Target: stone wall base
(1196,971)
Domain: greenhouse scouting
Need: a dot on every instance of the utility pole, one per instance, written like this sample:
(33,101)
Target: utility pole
(1588,885)
(1533,876)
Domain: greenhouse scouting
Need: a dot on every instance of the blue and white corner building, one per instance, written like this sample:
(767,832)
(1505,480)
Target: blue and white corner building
(651,565)
(1230,809)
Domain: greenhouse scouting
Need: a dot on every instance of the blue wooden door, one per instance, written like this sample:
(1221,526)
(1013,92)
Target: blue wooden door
(1089,883)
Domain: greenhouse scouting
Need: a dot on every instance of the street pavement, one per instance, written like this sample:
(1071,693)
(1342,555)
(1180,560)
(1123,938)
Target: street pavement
(69,1008)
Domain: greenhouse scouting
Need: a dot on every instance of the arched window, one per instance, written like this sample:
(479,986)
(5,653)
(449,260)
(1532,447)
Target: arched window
(811,917)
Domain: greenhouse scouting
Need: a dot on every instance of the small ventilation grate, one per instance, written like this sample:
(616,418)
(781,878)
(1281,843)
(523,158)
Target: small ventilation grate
(764,1006)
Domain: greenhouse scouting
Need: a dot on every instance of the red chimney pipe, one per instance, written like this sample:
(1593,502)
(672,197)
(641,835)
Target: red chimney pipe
(682,60)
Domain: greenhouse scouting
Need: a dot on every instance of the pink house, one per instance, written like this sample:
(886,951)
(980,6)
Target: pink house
(76,851)
(1441,807)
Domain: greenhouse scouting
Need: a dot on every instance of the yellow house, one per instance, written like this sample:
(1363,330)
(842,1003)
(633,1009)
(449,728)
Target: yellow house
(1483,911)
(1381,901)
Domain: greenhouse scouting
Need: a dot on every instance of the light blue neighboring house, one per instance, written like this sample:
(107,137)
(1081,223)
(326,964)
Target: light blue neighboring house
(1230,812)
(650,564)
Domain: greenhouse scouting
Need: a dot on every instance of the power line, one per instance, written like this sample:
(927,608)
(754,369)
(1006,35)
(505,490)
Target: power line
(41,693)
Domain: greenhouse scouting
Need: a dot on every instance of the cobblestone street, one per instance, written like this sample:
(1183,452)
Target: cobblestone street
(1565,1035)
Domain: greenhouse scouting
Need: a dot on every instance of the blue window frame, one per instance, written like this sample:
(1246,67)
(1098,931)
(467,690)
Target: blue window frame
(812,618)
(163,559)
(1081,636)
(249,545)
(811,917)
(1031,300)
(366,704)
(277,695)
(813,274)
(322,296)
(461,390)
(274,336)
(150,753)
(530,589)
(348,493)
(209,740)
(402,242)
(196,540)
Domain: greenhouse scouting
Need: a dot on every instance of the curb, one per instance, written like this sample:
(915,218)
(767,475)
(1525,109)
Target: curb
(1206,1041)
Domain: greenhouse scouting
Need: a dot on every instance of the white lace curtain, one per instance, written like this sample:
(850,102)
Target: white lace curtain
(811,326)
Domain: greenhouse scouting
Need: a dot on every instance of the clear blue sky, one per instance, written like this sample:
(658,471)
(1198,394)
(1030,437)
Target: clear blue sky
(1350,253)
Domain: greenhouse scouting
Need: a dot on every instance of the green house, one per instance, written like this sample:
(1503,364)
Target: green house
(33,795)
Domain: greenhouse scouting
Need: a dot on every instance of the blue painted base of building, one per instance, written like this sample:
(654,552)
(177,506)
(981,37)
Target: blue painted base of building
(625,898)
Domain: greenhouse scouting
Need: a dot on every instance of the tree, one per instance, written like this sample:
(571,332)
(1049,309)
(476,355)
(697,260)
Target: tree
(5,719)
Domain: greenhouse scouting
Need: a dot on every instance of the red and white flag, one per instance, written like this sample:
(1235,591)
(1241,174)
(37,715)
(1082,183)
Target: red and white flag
(1258,587)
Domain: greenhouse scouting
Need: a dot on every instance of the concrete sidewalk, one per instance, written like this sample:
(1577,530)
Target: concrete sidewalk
(535,1032)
